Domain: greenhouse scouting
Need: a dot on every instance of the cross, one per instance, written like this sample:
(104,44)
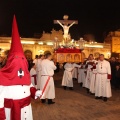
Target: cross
(20,73)
(66,24)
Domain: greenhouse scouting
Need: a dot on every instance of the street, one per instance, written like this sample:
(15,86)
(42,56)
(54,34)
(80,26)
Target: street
(76,104)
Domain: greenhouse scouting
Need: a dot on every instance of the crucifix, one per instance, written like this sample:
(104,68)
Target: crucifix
(20,73)
(66,24)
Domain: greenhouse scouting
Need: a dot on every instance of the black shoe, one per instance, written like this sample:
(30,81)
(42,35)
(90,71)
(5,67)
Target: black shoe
(88,91)
(50,101)
(70,88)
(98,97)
(105,99)
(92,93)
(65,87)
(43,100)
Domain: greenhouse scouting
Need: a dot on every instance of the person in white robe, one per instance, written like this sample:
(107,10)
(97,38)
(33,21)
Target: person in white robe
(81,75)
(36,59)
(103,86)
(33,75)
(47,82)
(16,89)
(75,71)
(14,93)
(67,80)
(38,69)
(93,79)
(89,64)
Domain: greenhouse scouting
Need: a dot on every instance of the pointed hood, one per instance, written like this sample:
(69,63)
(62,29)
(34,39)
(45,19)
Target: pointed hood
(15,72)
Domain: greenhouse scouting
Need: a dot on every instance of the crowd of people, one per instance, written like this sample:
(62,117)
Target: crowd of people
(23,78)
(41,71)
(96,75)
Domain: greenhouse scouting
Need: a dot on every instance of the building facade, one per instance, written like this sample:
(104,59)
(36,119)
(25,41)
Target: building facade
(114,39)
(37,46)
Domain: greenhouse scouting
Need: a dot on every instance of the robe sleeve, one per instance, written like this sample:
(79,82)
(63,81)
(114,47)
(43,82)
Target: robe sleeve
(86,65)
(2,109)
(32,91)
(39,67)
(76,65)
(94,65)
(65,66)
(31,72)
(53,66)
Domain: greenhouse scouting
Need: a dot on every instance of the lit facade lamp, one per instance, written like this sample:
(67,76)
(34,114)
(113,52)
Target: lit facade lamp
(108,55)
(41,51)
(81,43)
(1,51)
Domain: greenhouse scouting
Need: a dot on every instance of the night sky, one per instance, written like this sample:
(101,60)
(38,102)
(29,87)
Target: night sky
(96,17)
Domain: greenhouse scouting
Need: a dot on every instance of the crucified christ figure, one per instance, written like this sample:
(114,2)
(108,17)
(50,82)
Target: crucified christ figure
(65,28)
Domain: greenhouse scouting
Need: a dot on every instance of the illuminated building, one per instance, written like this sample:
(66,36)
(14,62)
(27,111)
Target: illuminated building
(36,46)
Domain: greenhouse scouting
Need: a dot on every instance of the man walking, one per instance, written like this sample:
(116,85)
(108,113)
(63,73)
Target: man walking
(103,87)
(47,82)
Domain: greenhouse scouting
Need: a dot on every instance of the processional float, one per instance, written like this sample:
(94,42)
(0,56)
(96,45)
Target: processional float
(67,50)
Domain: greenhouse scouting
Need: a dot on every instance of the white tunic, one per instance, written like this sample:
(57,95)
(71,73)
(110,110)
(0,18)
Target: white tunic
(81,75)
(93,81)
(89,74)
(67,76)
(16,92)
(39,73)
(103,87)
(48,68)
(35,61)
(33,72)
(75,70)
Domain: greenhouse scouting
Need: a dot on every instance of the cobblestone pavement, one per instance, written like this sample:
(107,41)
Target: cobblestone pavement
(76,105)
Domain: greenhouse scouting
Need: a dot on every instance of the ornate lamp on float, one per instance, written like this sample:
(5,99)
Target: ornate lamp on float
(56,43)
(81,46)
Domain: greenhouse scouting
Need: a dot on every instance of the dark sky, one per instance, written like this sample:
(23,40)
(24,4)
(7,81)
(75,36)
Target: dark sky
(35,16)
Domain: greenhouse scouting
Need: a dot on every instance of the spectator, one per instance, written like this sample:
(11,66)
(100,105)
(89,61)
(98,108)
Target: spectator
(117,76)
(113,69)
(1,62)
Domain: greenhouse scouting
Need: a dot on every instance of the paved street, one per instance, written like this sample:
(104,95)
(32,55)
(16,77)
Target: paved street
(77,105)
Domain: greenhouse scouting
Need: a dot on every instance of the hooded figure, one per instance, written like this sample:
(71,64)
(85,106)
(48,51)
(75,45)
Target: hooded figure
(15,83)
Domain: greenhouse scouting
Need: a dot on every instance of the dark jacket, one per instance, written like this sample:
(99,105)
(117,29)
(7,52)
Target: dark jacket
(117,73)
